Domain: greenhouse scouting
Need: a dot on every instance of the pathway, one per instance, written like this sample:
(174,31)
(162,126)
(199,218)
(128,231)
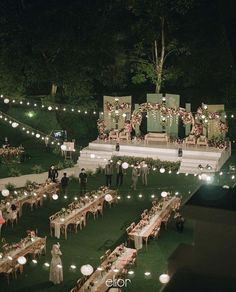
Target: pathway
(19,181)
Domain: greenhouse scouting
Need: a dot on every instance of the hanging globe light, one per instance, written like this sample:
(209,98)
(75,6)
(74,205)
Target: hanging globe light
(5,192)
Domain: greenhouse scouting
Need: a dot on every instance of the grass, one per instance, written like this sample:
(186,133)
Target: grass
(106,232)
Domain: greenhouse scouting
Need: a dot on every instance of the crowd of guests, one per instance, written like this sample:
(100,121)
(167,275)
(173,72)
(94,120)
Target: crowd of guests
(140,169)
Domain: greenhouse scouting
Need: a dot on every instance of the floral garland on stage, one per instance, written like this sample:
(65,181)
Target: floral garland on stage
(186,117)
(101,126)
(203,116)
(122,106)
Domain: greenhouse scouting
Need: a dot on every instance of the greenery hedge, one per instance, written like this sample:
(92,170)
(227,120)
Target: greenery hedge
(153,163)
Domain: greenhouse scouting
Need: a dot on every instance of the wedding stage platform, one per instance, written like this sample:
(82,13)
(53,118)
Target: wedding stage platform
(98,152)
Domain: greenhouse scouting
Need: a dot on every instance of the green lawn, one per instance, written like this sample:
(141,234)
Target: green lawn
(89,244)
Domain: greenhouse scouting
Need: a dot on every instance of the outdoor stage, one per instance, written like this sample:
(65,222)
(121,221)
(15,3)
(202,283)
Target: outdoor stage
(98,152)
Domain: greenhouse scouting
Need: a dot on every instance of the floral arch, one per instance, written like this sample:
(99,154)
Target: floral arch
(187,117)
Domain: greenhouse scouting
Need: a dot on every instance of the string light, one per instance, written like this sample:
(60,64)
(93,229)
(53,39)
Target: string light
(50,108)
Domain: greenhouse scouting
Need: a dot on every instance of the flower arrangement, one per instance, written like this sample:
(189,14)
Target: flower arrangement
(101,126)
(186,117)
(119,106)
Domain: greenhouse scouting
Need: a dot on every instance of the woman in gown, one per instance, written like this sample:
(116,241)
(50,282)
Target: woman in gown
(56,271)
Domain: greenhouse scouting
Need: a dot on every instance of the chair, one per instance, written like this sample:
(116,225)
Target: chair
(100,209)
(17,268)
(202,141)
(79,221)
(124,135)
(165,220)
(156,232)
(8,272)
(190,140)
(114,134)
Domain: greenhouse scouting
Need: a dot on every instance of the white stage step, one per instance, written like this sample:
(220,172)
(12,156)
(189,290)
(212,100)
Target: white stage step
(98,152)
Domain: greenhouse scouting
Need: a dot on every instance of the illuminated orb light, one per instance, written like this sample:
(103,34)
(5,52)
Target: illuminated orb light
(164,194)
(125,165)
(63,147)
(6,100)
(108,198)
(5,192)
(162,170)
(37,135)
(14,125)
(164,278)
(21,260)
(147,273)
(49,108)
(55,196)
(92,155)
(86,270)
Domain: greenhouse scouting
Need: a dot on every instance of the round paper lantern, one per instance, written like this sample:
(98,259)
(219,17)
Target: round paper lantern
(162,170)
(14,125)
(108,198)
(6,100)
(55,196)
(86,270)
(125,165)
(164,278)
(5,193)
(37,135)
(164,194)
(92,155)
(63,147)
(21,260)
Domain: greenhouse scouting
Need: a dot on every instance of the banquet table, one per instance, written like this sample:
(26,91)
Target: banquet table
(138,234)
(35,194)
(21,250)
(99,277)
(61,222)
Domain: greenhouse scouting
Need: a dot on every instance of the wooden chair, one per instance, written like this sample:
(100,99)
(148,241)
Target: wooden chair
(124,135)
(202,141)
(190,140)
(8,272)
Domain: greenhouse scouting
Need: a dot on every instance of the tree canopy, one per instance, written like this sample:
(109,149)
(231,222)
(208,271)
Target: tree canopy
(73,50)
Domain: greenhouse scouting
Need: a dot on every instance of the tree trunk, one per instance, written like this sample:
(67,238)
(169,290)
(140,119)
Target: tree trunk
(53,89)
(160,60)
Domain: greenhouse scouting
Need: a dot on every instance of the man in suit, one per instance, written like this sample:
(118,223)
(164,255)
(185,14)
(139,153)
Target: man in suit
(134,177)
(52,173)
(83,178)
(119,173)
(144,173)
(108,173)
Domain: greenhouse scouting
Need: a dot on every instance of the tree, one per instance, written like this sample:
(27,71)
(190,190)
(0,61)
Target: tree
(152,53)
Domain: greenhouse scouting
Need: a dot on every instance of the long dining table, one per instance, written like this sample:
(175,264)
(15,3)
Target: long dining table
(61,222)
(22,248)
(32,196)
(97,282)
(140,233)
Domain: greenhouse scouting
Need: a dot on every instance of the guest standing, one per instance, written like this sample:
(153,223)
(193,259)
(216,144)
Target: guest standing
(64,184)
(108,173)
(52,173)
(56,270)
(2,221)
(134,177)
(144,173)
(119,173)
(83,179)
(179,222)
